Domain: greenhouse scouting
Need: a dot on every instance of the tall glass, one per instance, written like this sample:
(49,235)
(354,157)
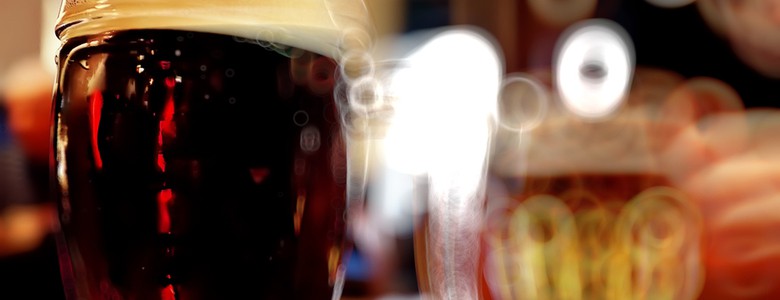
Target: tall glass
(200,150)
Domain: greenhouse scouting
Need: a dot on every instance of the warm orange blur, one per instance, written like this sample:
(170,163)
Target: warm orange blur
(27,95)
(23,227)
(28,101)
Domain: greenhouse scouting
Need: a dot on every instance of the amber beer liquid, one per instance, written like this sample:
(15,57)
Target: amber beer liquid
(196,161)
(600,222)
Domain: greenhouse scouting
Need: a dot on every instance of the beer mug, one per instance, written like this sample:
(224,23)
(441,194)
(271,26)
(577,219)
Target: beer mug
(582,207)
(201,147)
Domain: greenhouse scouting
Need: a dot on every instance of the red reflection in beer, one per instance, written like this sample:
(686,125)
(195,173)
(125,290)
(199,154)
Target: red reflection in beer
(259,174)
(168,129)
(95,106)
(168,293)
(161,161)
(164,199)
(166,119)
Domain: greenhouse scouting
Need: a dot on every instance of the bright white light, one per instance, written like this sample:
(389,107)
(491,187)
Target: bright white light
(445,98)
(594,66)
(446,94)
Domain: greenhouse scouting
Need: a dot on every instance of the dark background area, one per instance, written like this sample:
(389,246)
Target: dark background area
(679,40)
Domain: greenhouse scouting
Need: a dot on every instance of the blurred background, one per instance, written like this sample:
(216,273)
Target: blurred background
(28,260)
(684,39)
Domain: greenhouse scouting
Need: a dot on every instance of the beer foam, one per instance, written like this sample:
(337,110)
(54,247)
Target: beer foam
(564,145)
(628,143)
(322,26)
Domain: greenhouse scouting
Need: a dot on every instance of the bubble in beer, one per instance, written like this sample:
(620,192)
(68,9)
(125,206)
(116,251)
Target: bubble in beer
(366,95)
(269,39)
(593,68)
(300,118)
(522,103)
(310,139)
(263,36)
(356,64)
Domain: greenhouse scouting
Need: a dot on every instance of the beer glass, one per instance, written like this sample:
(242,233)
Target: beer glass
(200,150)
(585,202)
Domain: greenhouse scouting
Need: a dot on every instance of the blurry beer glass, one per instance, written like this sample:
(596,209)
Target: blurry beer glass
(587,213)
(583,206)
(200,150)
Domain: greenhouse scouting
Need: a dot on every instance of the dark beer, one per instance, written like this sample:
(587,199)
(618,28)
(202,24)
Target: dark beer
(195,165)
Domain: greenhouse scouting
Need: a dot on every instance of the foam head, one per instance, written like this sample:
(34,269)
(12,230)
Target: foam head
(653,132)
(322,26)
